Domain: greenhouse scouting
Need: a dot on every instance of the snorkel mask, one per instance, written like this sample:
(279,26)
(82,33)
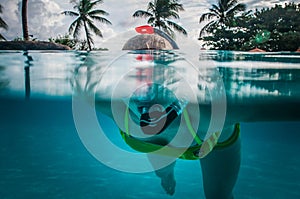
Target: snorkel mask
(154,107)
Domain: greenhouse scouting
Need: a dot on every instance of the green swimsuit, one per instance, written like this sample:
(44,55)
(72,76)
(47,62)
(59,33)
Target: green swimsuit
(190,153)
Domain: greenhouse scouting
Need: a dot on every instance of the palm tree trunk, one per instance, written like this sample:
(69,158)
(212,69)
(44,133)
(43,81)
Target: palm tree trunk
(87,36)
(24,20)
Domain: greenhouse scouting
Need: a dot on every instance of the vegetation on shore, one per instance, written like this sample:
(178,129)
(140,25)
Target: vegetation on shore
(31,45)
(270,29)
(222,14)
(75,44)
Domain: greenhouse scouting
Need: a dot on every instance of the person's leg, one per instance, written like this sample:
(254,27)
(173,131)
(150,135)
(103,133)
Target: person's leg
(166,174)
(220,170)
(167,177)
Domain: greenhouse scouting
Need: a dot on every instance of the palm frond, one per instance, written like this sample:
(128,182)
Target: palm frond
(173,14)
(176,27)
(98,12)
(2,37)
(151,7)
(70,13)
(176,7)
(92,4)
(222,5)
(207,16)
(142,13)
(101,20)
(167,29)
(151,20)
(72,26)
(216,9)
(236,9)
(89,36)
(78,25)
(3,24)
(231,4)
(94,28)
(206,27)
(84,6)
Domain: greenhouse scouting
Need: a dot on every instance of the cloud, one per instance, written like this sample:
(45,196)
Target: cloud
(121,13)
(11,16)
(44,18)
(253,4)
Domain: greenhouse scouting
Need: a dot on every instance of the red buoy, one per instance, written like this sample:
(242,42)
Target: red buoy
(146,29)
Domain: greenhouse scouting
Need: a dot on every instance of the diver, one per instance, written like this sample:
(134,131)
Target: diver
(152,124)
(166,128)
(160,121)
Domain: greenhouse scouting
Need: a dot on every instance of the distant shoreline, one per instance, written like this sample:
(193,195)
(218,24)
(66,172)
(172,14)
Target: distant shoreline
(31,45)
(45,45)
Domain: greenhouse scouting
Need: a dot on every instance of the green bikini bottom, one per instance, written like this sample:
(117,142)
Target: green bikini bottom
(190,153)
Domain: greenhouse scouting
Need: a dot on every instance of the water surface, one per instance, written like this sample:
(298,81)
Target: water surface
(41,155)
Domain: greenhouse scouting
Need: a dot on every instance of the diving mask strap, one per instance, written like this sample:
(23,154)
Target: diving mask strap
(126,121)
(206,146)
(190,127)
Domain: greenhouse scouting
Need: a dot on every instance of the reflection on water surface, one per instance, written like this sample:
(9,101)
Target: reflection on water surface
(244,75)
(43,156)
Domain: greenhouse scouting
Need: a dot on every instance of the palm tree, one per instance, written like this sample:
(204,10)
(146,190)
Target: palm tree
(2,24)
(85,16)
(224,12)
(24,20)
(159,13)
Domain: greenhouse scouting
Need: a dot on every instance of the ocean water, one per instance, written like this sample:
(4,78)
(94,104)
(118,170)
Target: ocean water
(42,155)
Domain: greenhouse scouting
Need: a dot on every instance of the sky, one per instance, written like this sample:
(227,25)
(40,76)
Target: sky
(45,19)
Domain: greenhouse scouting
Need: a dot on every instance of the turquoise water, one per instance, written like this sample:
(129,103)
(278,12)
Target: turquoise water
(42,156)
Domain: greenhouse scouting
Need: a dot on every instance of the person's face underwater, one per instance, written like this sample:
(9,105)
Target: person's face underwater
(153,107)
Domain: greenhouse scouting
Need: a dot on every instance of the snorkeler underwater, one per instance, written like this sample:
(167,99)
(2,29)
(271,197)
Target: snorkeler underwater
(203,102)
(149,124)
(167,107)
